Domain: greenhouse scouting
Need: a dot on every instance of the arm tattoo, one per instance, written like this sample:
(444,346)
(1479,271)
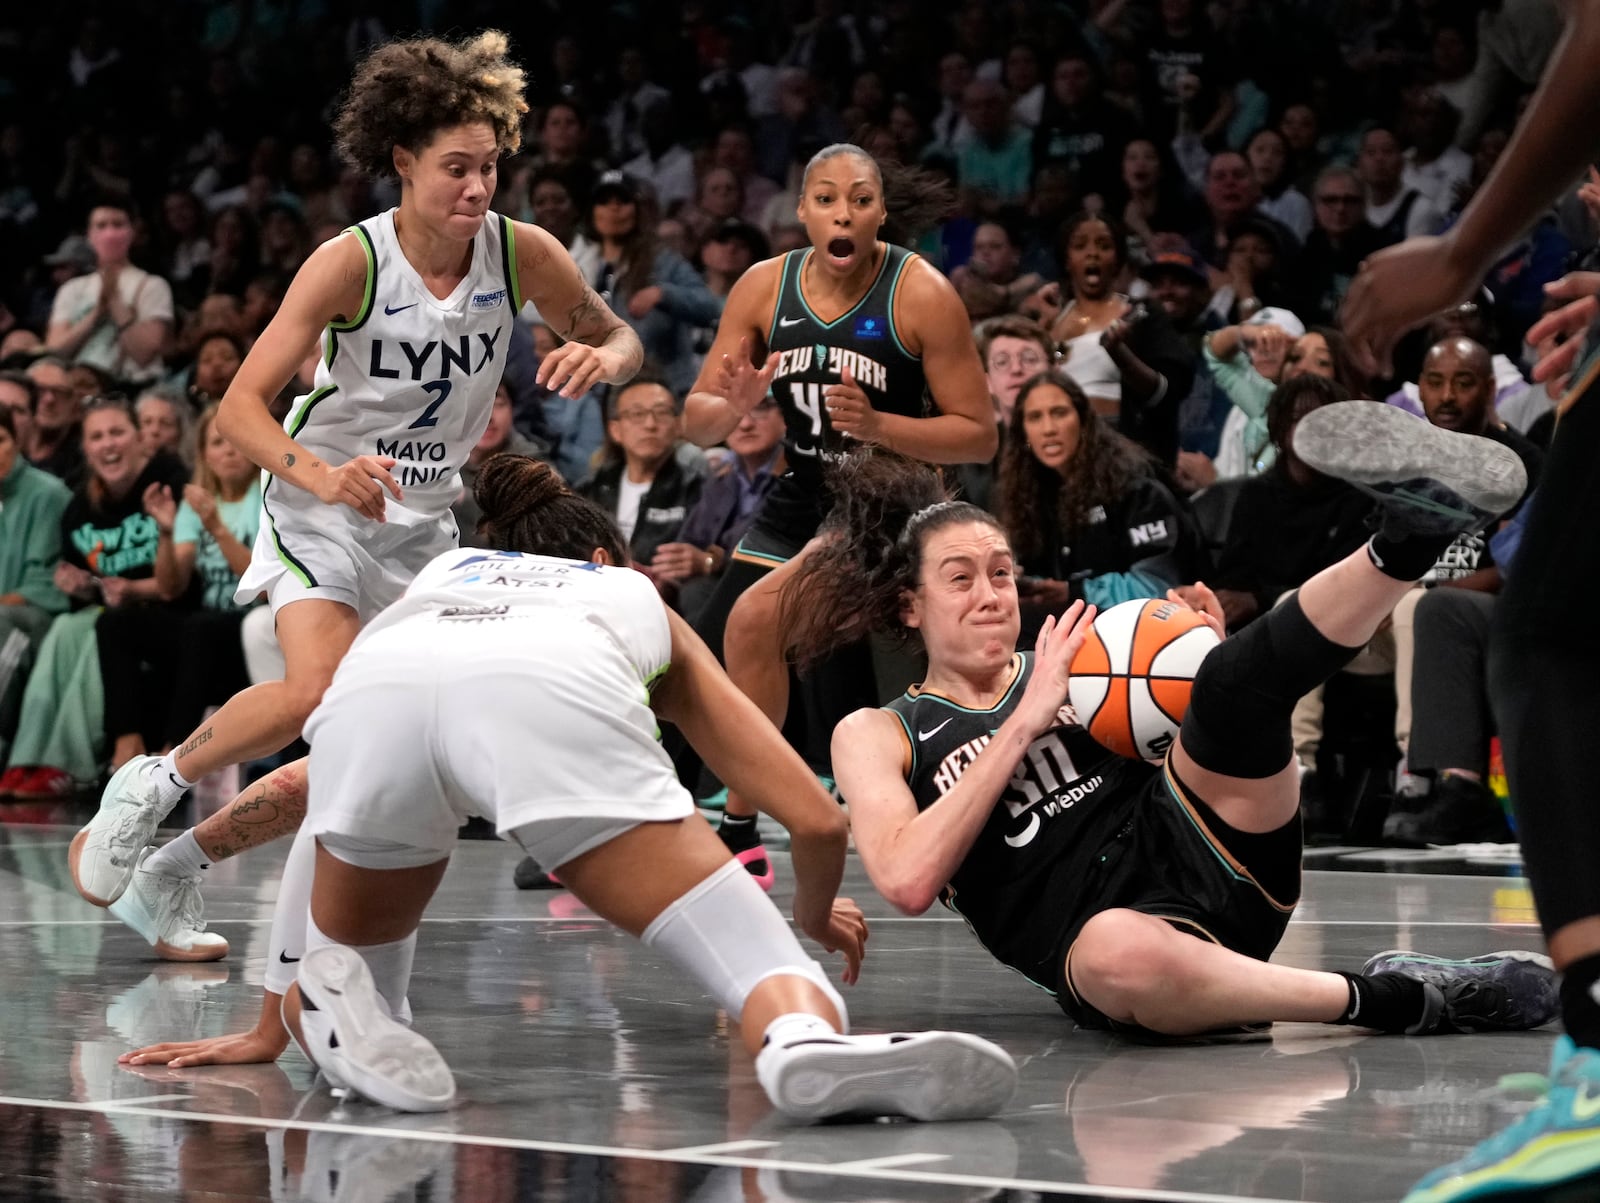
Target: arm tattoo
(268,809)
(204,737)
(288,460)
(589,321)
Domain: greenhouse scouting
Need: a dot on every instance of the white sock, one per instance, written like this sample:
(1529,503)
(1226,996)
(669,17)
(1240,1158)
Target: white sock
(182,857)
(795,1027)
(169,783)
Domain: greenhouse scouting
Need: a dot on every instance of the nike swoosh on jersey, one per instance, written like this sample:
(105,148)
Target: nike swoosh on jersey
(790,321)
(924,736)
(287,959)
(391,311)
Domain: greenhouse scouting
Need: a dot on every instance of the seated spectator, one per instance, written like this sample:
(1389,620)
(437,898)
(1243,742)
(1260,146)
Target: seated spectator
(31,505)
(500,435)
(1014,350)
(236,249)
(56,446)
(1301,132)
(1248,361)
(1179,285)
(1151,199)
(663,163)
(1291,521)
(726,508)
(218,358)
(164,424)
(728,252)
(1232,197)
(185,253)
(1078,128)
(652,289)
(1129,362)
(109,547)
(1084,509)
(1517,403)
(564,153)
(718,198)
(194,656)
(991,282)
(735,150)
(994,166)
(1253,278)
(1443,796)
(1268,155)
(576,426)
(1434,165)
(1395,212)
(554,207)
(641,481)
(1337,244)
(118,318)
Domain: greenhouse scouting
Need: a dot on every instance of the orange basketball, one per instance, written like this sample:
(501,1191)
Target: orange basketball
(1132,676)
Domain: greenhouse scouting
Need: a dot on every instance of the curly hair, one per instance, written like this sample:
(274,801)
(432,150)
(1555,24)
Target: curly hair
(406,91)
(527,507)
(852,585)
(1100,470)
(915,199)
(1294,399)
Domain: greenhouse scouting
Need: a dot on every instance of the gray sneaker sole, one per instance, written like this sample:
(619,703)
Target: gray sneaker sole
(1397,455)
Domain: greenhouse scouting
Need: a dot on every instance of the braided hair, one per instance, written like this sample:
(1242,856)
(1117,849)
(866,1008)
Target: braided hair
(527,507)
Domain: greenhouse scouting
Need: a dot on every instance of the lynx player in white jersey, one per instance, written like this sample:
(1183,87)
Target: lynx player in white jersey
(526,689)
(410,313)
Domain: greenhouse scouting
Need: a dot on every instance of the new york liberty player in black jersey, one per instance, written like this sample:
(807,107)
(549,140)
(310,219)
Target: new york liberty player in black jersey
(859,341)
(1140,896)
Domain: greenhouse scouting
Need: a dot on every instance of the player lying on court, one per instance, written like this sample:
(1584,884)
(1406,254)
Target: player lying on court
(495,687)
(1144,898)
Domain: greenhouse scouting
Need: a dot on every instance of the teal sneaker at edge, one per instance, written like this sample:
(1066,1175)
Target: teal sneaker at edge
(1557,1142)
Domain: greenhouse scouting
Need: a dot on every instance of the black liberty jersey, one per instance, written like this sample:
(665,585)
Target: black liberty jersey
(815,354)
(1029,872)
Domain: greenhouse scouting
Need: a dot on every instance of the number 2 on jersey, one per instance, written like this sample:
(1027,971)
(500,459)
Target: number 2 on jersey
(440,390)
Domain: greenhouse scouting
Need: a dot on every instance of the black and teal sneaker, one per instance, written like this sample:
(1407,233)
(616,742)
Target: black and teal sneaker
(1510,991)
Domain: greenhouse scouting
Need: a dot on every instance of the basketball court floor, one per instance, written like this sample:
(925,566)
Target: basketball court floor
(589,1069)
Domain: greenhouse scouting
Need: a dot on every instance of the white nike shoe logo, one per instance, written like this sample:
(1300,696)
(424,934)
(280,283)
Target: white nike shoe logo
(924,736)
(790,321)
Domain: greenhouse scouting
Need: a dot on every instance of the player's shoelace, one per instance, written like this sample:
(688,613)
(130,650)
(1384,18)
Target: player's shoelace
(186,903)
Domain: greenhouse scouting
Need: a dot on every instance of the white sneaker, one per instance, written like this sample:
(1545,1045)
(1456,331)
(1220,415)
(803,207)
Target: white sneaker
(166,911)
(920,1075)
(351,1038)
(105,853)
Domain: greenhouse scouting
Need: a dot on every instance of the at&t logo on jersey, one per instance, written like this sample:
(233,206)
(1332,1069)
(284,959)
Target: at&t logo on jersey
(488,300)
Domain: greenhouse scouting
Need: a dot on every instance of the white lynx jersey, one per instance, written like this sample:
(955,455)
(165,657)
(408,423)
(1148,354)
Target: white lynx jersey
(411,376)
(588,616)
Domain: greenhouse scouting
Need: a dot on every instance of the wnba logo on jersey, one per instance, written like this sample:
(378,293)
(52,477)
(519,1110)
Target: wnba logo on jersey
(488,300)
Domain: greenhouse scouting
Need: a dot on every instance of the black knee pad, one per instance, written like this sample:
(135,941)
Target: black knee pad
(1238,718)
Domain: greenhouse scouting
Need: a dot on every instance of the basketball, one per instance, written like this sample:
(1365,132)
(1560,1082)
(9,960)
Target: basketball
(1131,678)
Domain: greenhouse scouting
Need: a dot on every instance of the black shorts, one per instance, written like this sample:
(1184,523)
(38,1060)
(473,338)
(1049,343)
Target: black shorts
(789,518)
(1176,860)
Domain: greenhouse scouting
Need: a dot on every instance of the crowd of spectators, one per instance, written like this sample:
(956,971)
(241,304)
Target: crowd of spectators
(1160,205)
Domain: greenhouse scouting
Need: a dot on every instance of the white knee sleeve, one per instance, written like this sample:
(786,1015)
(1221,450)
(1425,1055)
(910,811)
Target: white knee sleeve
(727,933)
(293,911)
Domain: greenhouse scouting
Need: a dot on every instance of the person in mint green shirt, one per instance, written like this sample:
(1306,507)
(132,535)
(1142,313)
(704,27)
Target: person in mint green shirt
(205,544)
(31,504)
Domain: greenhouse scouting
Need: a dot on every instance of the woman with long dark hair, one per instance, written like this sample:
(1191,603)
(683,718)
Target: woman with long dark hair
(650,286)
(1083,507)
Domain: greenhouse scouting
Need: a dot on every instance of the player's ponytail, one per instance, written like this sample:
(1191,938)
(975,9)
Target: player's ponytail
(527,507)
(915,199)
(853,585)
